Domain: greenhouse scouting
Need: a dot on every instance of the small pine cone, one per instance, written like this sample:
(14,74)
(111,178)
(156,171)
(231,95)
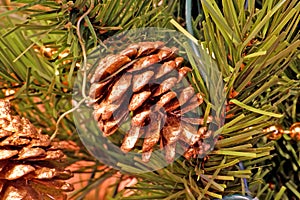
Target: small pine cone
(146,84)
(30,165)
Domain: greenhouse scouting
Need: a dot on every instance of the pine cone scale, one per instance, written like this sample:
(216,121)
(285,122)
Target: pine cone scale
(186,94)
(119,88)
(97,89)
(13,141)
(182,72)
(4,133)
(130,139)
(165,86)
(172,105)
(117,64)
(108,66)
(30,152)
(18,171)
(141,80)
(140,117)
(164,99)
(172,130)
(170,152)
(165,68)
(6,154)
(144,63)
(12,193)
(138,99)
(152,134)
(130,52)
(189,134)
(45,173)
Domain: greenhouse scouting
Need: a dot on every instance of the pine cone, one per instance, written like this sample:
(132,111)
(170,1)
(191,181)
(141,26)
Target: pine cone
(29,164)
(146,83)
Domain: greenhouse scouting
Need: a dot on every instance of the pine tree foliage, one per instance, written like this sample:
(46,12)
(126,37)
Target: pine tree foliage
(285,165)
(252,47)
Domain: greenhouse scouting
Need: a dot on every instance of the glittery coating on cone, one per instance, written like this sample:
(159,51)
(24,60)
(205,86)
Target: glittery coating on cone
(146,84)
(29,162)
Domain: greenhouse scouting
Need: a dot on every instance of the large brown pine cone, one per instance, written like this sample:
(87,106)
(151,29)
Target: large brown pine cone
(30,167)
(146,84)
